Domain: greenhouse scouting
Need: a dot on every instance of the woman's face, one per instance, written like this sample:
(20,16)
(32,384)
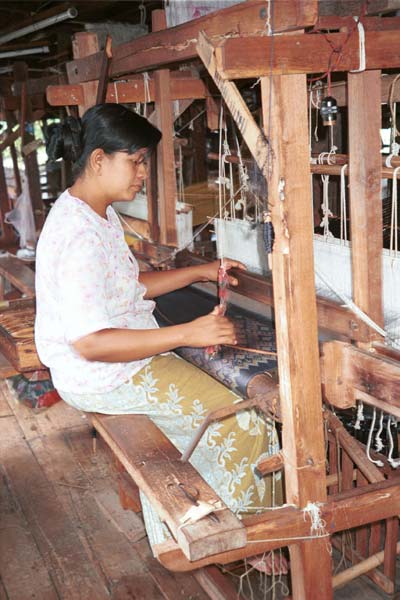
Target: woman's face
(124,173)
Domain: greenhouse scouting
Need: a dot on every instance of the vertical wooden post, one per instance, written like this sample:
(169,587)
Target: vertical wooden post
(365,164)
(85,43)
(31,164)
(284,104)
(14,156)
(165,152)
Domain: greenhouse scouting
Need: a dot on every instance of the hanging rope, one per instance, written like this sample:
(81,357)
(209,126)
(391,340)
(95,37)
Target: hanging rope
(394,232)
(343,208)
(378,463)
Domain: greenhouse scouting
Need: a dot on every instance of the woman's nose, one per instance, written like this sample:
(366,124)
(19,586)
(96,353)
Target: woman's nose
(142,170)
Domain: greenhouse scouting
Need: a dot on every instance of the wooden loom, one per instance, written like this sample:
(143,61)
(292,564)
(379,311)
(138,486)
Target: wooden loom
(358,368)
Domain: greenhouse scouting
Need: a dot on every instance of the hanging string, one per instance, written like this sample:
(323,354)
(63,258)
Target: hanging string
(378,462)
(146,86)
(343,208)
(392,461)
(142,9)
(394,232)
(392,106)
(360,416)
(378,436)
(361,46)
(326,212)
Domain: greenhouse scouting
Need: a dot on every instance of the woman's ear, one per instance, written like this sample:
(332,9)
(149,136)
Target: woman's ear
(96,160)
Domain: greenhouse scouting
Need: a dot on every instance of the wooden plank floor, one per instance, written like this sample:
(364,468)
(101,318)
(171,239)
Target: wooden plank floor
(63,533)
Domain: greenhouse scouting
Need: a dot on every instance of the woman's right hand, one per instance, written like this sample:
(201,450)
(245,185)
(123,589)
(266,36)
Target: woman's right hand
(211,330)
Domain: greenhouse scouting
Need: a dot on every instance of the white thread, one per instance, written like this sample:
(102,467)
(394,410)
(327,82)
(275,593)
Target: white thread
(343,208)
(378,438)
(360,416)
(361,314)
(393,220)
(378,462)
(116,92)
(129,227)
(268,22)
(313,511)
(361,47)
(146,80)
(393,462)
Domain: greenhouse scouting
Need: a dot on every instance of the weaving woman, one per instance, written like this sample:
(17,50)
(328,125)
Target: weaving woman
(95,329)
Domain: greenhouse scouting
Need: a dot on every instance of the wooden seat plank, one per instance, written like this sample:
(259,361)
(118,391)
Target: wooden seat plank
(18,274)
(17,336)
(154,464)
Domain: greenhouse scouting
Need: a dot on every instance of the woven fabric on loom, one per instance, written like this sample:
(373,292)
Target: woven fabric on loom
(231,366)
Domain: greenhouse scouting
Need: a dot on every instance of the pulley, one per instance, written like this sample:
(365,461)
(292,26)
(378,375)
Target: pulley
(329,110)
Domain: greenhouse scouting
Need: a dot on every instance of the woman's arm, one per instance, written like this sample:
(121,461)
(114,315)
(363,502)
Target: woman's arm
(158,283)
(125,345)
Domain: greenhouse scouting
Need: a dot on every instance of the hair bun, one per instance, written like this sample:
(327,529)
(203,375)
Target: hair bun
(65,140)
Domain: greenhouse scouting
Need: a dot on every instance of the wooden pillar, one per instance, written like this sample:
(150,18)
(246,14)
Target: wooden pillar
(85,43)
(365,164)
(14,156)
(31,164)
(166,175)
(284,103)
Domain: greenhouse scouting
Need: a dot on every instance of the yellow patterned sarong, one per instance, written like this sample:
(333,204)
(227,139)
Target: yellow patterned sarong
(177,397)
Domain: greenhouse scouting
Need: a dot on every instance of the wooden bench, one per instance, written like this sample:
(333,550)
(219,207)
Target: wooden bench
(154,464)
(17,318)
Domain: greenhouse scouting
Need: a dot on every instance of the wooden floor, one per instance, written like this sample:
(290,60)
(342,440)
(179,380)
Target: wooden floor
(63,533)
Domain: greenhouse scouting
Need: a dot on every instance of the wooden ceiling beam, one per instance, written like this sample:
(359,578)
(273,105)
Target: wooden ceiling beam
(178,43)
(255,56)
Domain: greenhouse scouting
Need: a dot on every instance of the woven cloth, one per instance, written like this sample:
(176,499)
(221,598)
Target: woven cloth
(233,367)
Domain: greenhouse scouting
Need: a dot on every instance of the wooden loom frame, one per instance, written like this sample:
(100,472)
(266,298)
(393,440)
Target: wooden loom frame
(286,165)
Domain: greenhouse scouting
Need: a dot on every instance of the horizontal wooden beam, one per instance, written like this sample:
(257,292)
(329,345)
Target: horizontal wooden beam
(178,44)
(347,370)
(348,23)
(285,526)
(357,7)
(133,90)
(256,56)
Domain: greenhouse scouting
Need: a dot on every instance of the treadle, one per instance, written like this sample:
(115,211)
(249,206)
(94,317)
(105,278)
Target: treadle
(154,464)
(17,342)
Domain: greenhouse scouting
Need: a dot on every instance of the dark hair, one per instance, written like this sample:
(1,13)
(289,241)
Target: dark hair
(111,127)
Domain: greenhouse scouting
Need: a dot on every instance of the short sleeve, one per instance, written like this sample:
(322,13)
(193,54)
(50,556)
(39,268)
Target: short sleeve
(81,286)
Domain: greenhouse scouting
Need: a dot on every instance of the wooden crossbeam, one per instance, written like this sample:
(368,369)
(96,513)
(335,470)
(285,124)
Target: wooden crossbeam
(132,90)
(154,464)
(178,44)
(357,7)
(348,371)
(287,525)
(255,56)
(251,132)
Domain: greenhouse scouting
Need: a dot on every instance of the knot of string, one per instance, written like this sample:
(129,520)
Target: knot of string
(361,46)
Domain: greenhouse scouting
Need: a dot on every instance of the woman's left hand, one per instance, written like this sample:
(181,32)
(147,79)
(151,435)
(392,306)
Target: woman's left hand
(210,270)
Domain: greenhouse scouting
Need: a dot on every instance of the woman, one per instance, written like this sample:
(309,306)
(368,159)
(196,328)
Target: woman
(94,326)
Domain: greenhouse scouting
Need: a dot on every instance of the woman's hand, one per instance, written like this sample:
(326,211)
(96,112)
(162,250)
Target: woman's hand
(210,330)
(210,270)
